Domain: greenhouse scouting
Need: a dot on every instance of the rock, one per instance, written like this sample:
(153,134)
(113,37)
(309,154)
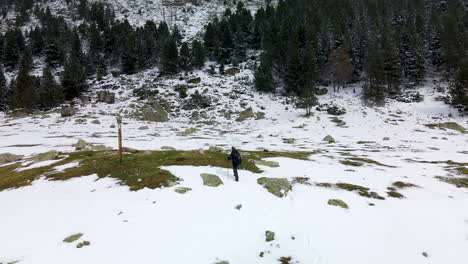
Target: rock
(98,147)
(336,110)
(277,186)
(289,140)
(51,155)
(96,122)
(72,238)
(182,190)
(85,99)
(339,203)
(130,150)
(20,113)
(157,113)
(246,114)
(272,164)
(80,145)
(67,111)
(448,125)
(187,132)
(222,262)
(232,71)
(329,139)
(200,151)
(425,254)
(82,244)
(194,80)
(386,138)
(409,97)
(112,126)
(215,149)
(167,148)
(321,92)
(238,207)
(143,128)
(211,180)
(269,236)
(106,97)
(259,116)
(8,158)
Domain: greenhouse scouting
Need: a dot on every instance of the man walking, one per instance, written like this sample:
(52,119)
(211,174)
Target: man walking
(236,159)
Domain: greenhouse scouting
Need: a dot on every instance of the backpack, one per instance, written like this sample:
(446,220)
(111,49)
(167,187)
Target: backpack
(236,157)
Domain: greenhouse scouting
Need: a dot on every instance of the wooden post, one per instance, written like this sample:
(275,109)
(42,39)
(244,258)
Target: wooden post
(119,125)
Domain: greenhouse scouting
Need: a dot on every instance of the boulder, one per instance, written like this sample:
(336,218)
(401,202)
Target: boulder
(187,132)
(269,236)
(211,180)
(246,114)
(167,148)
(238,207)
(329,139)
(106,97)
(80,145)
(215,149)
(277,186)
(20,113)
(129,150)
(336,110)
(156,113)
(85,99)
(182,190)
(67,111)
(259,115)
(448,125)
(289,140)
(386,138)
(321,92)
(51,155)
(8,158)
(143,128)
(232,71)
(272,164)
(194,81)
(96,122)
(336,202)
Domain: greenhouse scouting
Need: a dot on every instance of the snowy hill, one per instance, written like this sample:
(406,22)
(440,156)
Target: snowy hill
(390,186)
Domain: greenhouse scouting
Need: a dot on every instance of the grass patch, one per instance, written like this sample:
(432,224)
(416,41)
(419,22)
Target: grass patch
(395,194)
(362,191)
(285,260)
(351,163)
(138,170)
(403,185)
(448,162)
(459,182)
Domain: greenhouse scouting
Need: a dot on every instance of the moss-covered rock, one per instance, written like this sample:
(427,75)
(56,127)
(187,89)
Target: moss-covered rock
(8,158)
(272,164)
(277,186)
(329,139)
(211,180)
(289,140)
(96,122)
(50,155)
(215,149)
(143,128)
(187,132)
(269,236)
(448,125)
(182,190)
(238,207)
(73,238)
(167,148)
(336,202)
(80,145)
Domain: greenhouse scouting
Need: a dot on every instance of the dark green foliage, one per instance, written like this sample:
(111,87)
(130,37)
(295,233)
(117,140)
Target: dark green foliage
(73,80)
(185,57)
(263,75)
(198,54)
(4,91)
(459,87)
(169,57)
(24,89)
(50,92)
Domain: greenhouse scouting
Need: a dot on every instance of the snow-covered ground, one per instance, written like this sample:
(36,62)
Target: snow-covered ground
(203,226)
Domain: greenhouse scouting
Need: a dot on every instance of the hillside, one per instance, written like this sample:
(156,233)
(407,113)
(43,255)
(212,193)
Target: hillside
(360,182)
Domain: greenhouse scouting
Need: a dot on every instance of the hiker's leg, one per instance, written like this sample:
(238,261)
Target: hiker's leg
(235,173)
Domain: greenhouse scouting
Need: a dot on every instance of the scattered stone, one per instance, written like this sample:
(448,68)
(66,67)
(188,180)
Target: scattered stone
(289,140)
(82,244)
(259,115)
(246,114)
(194,80)
(232,71)
(321,92)
(269,236)
(339,203)
(96,122)
(215,149)
(182,190)
(106,97)
(409,97)
(8,158)
(272,164)
(336,110)
(143,128)
(73,238)
(67,111)
(425,254)
(187,132)
(155,113)
(386,138)
(262,254)
(51,155)
(222,262)
(448,125)
(238,207)
(112,126)
(329,139)
(277,186)
(80,145)
(211,180)
(130,150)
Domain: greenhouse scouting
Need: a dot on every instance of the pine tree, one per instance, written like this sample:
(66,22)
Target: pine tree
(11,49)
(185,57)
(50,91)
(53,54)
(198,54)
(339,69)
(4,93)
(306,99)
(293,78)
(24,89)
(73,80)
(374,91)
(176,35)
(169,57)
(263,75)
(459,86)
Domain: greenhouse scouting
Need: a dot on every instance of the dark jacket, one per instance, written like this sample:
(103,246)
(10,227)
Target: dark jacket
(236,158)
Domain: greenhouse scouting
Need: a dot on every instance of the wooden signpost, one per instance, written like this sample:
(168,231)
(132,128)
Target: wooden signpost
(119,126)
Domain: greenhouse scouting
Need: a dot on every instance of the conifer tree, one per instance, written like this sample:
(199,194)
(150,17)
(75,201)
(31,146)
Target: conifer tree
(198,54)
(4,93)
(49,90)
(169,57)
(185,57)
(459,87)
(264,76)
(24,89)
